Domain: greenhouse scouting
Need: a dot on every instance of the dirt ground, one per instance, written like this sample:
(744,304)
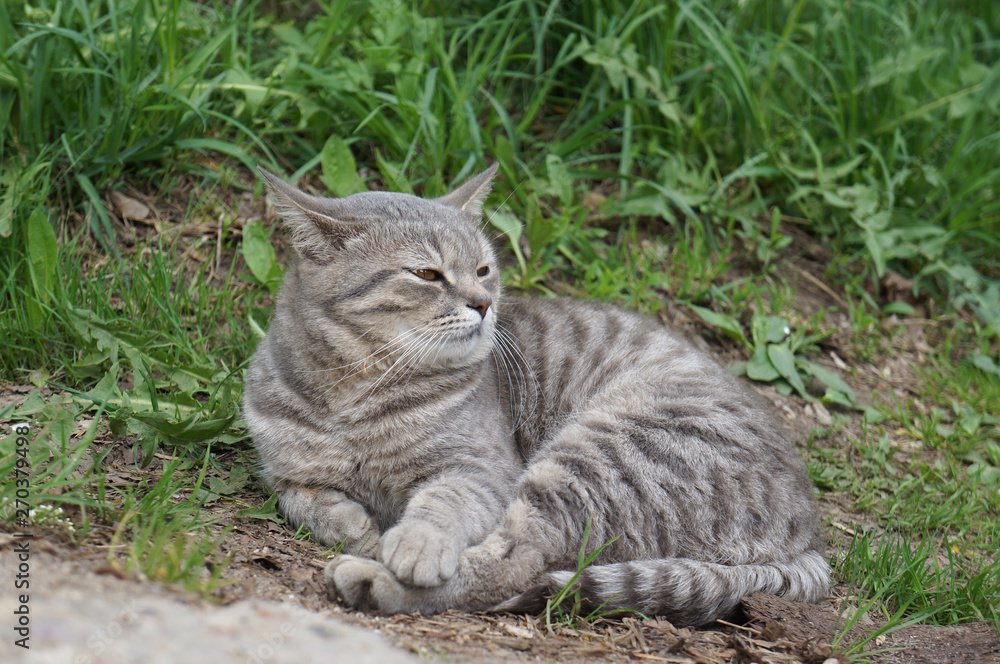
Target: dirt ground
(269,565)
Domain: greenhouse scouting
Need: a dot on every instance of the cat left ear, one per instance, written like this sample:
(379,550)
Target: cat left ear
(470,196)
(317,225)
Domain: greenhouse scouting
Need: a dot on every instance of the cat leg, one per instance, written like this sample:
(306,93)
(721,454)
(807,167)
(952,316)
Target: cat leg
(440,521)
(331,516)
(486,574)
(507,562)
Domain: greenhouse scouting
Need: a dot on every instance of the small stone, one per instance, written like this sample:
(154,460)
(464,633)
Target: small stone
(129,207)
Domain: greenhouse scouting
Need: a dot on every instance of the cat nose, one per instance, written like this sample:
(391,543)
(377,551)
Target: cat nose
(481,305)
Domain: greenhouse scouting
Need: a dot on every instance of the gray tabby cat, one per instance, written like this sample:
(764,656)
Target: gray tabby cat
(458,443)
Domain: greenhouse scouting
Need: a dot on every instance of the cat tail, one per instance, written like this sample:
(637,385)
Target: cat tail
(684,591)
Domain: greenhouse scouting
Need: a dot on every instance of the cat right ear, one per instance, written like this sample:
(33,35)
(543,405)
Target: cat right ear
(470,196)
(315,223)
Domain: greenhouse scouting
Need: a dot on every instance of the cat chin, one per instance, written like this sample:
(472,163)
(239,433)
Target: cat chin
(462,348)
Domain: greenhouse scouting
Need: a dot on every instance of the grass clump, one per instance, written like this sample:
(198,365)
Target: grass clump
(565,607)
(904,582)
(169,538)
(49,470)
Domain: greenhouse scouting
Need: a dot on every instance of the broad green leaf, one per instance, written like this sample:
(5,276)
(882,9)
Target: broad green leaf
(507,224)
(8,203)
(777,329)
(760,368)
(106,391)
(836,396)
(729,325)
(340,173)
(238,80)
(875,250)
(544,230)
(255,328)
(259,255)
(191,429)
(899,65)
(236,482)
(841,170)
(783,359)
(834,199)
(14,185)
(761,329)
(970,422)
(503,151)
(560,181)
(985,363)
(268,511)
(833,381)
(43,254)
(394,179)
(873,415)
(902,308)
(782,386)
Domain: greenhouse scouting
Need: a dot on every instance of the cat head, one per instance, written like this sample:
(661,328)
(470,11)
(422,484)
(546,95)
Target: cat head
(388,277)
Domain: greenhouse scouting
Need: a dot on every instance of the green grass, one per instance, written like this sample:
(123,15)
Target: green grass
(655,155)
(565,608)
(925,475)
(166,538)
(902,582)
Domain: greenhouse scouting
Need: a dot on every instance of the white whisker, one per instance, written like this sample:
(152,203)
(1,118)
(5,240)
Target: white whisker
(487,220)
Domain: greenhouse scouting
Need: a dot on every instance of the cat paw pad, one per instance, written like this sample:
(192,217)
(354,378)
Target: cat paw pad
(420,554)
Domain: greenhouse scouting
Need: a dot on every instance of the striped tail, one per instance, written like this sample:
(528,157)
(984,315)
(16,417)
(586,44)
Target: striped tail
(684,591)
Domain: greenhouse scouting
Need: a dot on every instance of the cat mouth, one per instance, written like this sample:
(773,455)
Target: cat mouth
(462,341)
(458,342)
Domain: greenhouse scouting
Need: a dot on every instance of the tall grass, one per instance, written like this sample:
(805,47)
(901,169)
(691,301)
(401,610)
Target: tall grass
(874,122)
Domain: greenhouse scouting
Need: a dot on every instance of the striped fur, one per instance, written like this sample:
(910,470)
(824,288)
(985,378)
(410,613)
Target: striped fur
(458,444)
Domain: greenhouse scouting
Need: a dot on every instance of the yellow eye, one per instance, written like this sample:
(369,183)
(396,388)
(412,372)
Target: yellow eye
(428,274)
(483,271)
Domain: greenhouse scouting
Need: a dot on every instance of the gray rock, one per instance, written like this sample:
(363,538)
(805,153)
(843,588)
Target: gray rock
(83,618)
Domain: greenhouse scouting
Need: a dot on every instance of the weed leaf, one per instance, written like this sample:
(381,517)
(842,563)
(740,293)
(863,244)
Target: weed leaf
(729,325)
(759,366)
(268,511)
(783,359)
(340,173)
(259,255)
(43,254)
(985,363)
(839,391)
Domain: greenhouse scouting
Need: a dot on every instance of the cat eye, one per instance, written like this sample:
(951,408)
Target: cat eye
(428,274)
(483,271)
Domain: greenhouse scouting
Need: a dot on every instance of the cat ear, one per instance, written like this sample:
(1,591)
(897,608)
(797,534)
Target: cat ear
(470,196)
(317,224)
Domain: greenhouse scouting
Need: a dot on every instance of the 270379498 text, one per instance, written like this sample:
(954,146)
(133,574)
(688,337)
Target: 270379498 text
(22,551)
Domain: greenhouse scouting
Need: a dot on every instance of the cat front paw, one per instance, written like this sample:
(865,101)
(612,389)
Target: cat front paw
(332,518)
(363,584)
(420,554)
